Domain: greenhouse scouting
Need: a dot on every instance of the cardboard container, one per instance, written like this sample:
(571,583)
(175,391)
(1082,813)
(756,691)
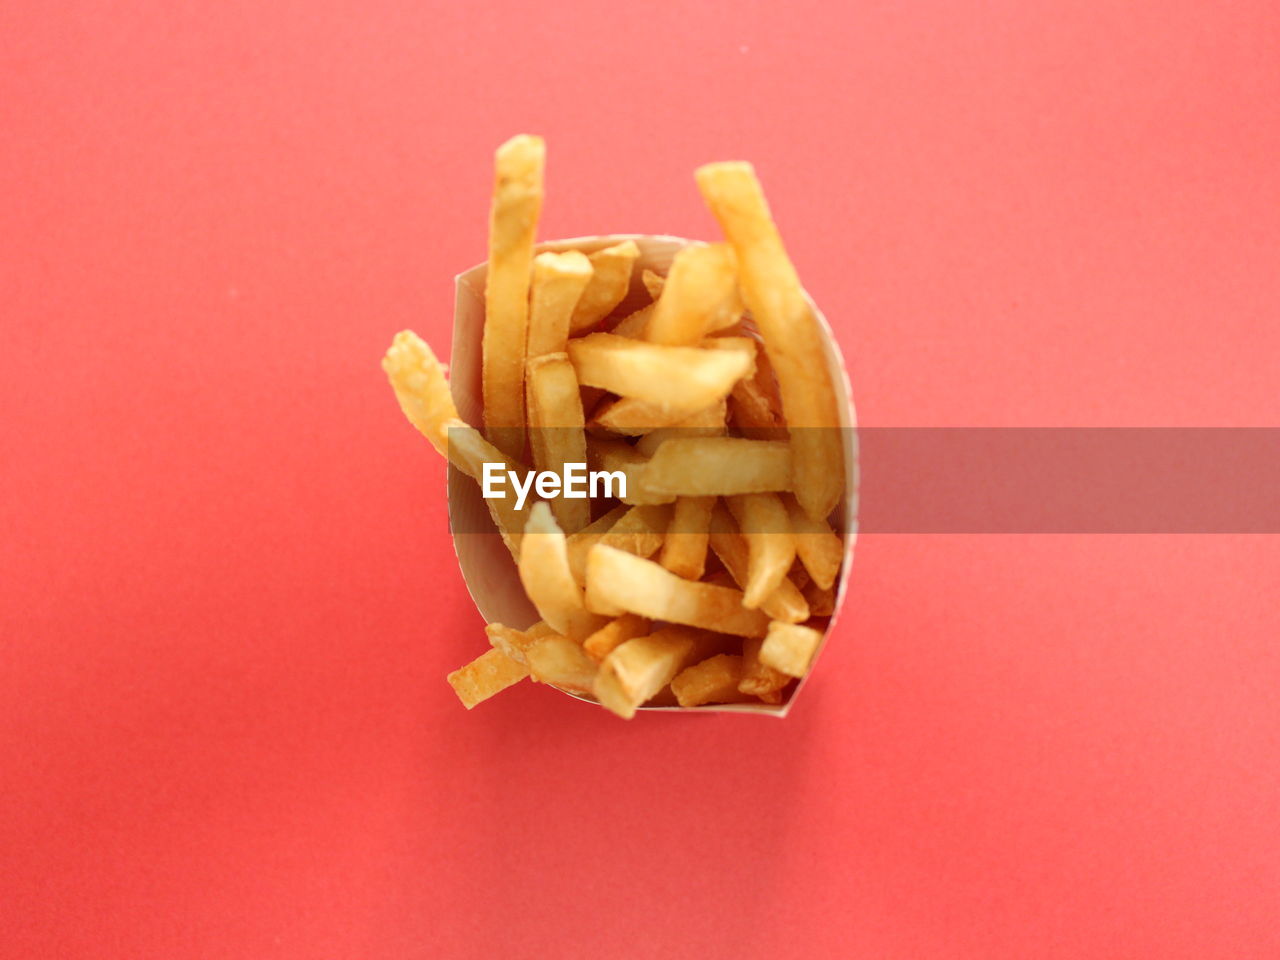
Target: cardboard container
(487,567)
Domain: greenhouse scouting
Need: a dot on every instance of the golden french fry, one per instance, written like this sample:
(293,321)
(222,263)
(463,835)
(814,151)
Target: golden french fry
(631,417)
(515,642)
(491,672)
(704,423)
(714,680)
(672,378)
(561,662)
(789,648)
(544,572)
(653,283)
(558,282)
(684,551)
(421,387)
(757,678)
(613,634)
(620,581)
(556,431)
(618,456)
(637,530)
(819,549)
(790,329)
(771,547)
(633,325)
(513,223)
(785,603)
(715,466)
(700,295)
(637,669)
(610,281)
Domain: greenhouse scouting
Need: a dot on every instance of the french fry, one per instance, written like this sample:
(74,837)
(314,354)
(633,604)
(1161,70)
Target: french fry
(819,549)
(559,661)
(672,378)
(509,640)
(421,387)
(653,283)
(513,223)
(619,581)
(786,602)
(637,530)
(558,282)
(704,423)
(618,456)
(613,634)
(610,281)
(700,295)
(758,679)
(684,551)
(556,430)
(422,390)
(491,672)
(790,330)
(771,547)
(637,669)
(547,579)
(714,680)
(789,648)
(716,466)
(631,417)
(633,325)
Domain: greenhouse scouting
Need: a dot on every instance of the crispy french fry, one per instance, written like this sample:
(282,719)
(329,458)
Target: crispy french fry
(556,430)
(633,325)
(819,549)
(547,579)
(771,547)
(613,634)
(513,223)
(672,378)
(700,295)
(558,282)
(421,387)
(561,662)
(618,456)
(715,466)
(759,679)
(637,669)
(653,283)
(610,281)
(620,581)
(684,551)
(789,648)
(631,417)
(491,672)
(637,530)
(714,680)
(785,603)
(790,330)
(704,423)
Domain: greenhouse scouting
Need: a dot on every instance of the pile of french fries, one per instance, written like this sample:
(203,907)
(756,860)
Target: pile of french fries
(713,579)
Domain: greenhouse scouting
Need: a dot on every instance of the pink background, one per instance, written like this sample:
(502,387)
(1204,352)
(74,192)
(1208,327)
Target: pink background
(227,595)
